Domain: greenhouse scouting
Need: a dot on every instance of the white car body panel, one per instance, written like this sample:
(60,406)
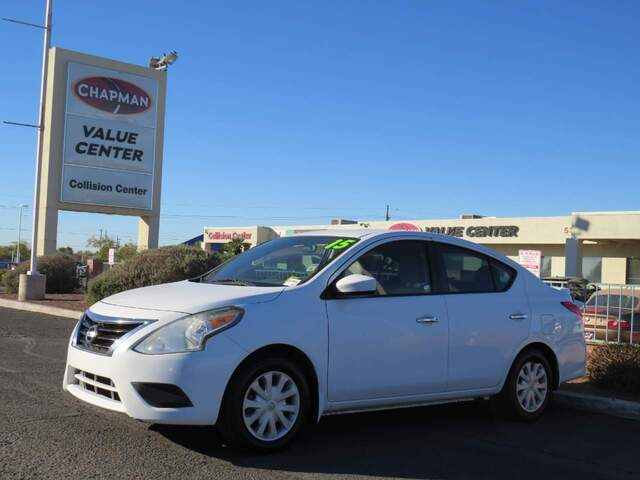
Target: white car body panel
(191,297)
(366,354)
(484,339)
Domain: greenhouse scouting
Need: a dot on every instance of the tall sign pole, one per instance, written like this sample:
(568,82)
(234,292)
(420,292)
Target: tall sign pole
(33,268)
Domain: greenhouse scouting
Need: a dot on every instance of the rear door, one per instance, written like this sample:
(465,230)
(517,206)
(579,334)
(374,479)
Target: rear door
(488,314)
(392,343)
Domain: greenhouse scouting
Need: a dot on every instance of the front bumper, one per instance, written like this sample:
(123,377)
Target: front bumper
(107,381)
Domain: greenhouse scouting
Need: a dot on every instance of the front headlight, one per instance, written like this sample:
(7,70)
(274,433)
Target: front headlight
(190,333)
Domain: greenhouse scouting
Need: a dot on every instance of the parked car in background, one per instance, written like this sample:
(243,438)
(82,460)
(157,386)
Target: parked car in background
(613,314)
(580,289)
(315,324)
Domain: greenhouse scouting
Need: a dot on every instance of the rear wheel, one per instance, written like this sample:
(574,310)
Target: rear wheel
(265,405)
(527,390)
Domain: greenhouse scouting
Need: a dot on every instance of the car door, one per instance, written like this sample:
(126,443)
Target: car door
(488,316)
(394,342)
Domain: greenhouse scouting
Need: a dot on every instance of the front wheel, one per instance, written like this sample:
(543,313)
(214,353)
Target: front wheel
(265,405)
(527,390)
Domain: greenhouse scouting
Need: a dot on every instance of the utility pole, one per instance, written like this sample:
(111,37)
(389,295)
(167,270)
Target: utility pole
(32,285)
(386,215)
(20,207)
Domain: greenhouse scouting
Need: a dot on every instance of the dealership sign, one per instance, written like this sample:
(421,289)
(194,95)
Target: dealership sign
(109,138)
(461,231)
(112,95)
(225,236)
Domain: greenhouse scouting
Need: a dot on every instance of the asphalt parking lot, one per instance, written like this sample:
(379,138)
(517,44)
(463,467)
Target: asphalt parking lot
(45,433)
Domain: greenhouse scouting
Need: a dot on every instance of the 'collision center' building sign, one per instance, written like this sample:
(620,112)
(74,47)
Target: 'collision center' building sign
(109,138)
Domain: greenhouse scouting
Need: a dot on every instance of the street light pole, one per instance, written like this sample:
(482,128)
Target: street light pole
(20,207)
(33,267)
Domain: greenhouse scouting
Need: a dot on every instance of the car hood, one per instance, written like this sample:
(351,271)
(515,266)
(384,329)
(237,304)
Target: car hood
(192,297)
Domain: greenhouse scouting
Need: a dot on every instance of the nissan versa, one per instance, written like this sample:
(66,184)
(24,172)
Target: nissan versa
(328,322)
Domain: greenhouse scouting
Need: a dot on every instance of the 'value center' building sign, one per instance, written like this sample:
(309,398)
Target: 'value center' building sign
(109,138)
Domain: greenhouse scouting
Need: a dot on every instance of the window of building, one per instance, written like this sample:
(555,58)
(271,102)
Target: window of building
(399,267)
(545,268)
(592,268)
(633,270)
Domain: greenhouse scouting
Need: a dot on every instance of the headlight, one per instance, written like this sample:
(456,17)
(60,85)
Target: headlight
(190,333)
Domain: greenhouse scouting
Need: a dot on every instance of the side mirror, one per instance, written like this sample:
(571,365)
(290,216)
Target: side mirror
(356,283)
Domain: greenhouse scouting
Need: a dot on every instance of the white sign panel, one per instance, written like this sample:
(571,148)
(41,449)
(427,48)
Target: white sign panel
(97,186)
(112,256)
(531,260)
(109,144)
(109,139)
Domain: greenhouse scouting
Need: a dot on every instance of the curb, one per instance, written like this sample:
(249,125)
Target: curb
(592,403)
(37,308)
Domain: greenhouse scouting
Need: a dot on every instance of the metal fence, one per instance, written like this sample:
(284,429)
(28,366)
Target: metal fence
(612,314)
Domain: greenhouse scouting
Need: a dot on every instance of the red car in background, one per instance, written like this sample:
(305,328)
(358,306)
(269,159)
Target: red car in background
(613,314)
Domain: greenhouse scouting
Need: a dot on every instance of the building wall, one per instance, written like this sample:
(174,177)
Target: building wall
(613,236)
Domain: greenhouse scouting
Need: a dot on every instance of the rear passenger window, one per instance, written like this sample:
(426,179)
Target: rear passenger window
(466,271)
(502,275)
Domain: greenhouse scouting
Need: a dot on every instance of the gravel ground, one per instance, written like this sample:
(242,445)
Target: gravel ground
(45,433)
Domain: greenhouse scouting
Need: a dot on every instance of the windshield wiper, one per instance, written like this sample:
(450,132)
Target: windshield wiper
(232,281)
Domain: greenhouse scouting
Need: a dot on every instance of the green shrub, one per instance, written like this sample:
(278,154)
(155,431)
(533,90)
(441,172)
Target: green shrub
(59,268)
(12,277)
(616,367)
(151,267)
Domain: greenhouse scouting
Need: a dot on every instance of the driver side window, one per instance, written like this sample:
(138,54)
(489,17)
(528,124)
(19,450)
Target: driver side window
(400,268)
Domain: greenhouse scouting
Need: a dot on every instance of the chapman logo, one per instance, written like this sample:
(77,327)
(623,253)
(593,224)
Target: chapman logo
(405,226)
(112,95)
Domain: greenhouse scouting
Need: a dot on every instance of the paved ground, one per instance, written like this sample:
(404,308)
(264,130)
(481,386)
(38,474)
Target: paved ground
(45,433)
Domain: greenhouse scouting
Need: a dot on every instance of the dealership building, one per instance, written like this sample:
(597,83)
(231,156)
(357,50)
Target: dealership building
(601,246)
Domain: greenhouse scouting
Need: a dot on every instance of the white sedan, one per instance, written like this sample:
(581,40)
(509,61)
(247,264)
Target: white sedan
(328,322)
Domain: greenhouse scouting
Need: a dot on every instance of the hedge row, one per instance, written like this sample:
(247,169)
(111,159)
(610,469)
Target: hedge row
(616,367)
(152,267)
(59,268)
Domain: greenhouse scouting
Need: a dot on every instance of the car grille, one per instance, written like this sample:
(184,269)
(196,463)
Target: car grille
(100,334)
(102,386)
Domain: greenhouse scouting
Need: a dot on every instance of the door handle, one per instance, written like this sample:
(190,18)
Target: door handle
(427,319)
(518,316)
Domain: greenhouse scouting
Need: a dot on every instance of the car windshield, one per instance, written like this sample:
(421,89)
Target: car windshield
(285,261)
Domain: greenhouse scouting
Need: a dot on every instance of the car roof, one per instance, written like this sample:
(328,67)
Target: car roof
(351,233)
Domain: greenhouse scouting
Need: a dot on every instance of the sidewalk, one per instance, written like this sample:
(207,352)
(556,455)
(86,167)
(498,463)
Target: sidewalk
(61,305)
(581,394)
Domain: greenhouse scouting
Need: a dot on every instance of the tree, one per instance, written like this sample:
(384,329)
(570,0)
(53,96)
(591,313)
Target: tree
(102,245)
(9,251)
(66,250)
(233,248)
(125,252)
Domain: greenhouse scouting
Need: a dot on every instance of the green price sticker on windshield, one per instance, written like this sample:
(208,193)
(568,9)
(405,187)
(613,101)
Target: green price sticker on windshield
(340,244)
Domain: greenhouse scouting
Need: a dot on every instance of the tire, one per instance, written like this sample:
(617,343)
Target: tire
(527,389)
(253,417)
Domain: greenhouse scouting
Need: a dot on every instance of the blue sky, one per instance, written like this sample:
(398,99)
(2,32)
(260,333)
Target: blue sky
(289,112)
